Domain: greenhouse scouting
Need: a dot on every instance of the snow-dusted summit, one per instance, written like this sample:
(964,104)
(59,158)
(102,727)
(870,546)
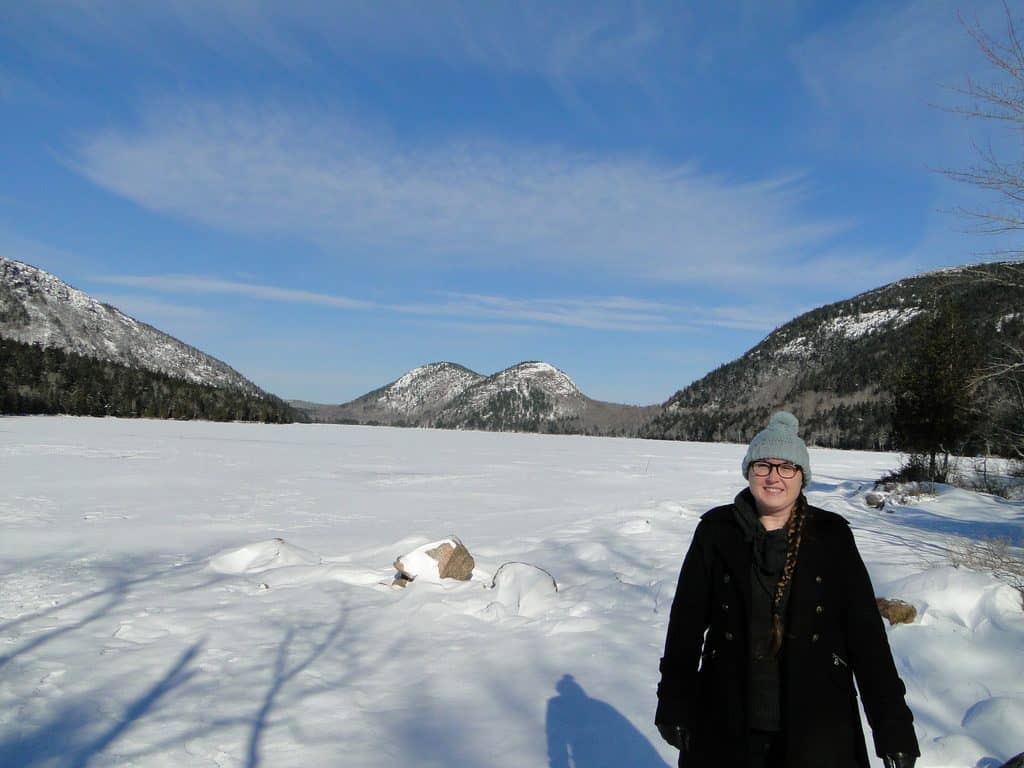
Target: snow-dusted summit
(520,397)
(412,399)
(38,308)
(425,389)
(544,376)
(532,396)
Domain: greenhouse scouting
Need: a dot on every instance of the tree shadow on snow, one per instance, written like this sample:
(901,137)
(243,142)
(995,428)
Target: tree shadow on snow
(589,733)
(105,600)
(282,675)
(69,739)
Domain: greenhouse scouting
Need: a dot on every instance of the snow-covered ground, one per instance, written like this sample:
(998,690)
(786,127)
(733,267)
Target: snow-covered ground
(150,616)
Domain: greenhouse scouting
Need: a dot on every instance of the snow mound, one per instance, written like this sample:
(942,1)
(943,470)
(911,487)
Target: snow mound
(262,556)
(956,749)
(301,575)
(590,551)
(634,527)
(950,594)
(997,723)
(521,589)
(674,508)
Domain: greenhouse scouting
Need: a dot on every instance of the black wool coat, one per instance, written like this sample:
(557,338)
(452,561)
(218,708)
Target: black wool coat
(833,634)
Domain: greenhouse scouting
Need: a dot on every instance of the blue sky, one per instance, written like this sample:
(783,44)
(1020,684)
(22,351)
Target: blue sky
(327,194)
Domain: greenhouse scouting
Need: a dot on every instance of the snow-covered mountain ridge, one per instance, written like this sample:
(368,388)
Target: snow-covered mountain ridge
(531,392)
(829,365)
(424,389)
(37,307)
(529,396)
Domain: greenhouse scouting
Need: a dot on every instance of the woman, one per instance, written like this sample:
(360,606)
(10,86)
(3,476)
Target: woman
(773,617)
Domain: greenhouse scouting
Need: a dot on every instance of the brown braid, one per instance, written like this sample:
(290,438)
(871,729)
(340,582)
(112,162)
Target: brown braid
(794,534)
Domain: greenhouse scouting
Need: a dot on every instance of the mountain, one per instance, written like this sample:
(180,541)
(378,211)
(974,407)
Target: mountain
(829,366)
(520,399)
(62,351)
(39,308)
(528,397)
(412,399)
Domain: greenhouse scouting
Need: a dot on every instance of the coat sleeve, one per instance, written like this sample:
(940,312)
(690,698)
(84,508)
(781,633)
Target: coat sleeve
(882,691)
(688,620)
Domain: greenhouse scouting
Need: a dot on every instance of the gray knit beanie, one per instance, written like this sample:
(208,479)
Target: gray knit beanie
(779,441)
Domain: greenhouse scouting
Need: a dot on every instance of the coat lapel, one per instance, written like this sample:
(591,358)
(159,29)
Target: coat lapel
(735,553)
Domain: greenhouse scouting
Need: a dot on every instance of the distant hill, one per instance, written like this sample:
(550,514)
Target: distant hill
(411,400)
(528,397)
(65,352)
(828,365)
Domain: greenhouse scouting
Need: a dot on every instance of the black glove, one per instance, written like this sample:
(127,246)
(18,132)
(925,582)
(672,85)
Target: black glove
(898,760)
(677,736)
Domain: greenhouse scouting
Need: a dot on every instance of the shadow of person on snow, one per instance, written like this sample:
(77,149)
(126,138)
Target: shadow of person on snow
(589,733)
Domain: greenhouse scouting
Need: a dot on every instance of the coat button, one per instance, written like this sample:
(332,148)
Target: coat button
(728,635)
(820,609)
(818,579)
(814,637)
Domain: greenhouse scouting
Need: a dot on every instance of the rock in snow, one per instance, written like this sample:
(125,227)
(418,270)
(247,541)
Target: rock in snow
(445,559)
(896,611)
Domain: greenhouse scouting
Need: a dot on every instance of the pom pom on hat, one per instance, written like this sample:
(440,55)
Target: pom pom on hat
(784,420)
(779,440)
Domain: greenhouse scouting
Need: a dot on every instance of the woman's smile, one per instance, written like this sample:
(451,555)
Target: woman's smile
(773,494)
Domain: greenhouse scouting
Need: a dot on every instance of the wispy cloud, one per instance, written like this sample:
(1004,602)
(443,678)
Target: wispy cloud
(604,313)
(613,313)
(877,77)
(571,39)
(205,285)
(154,310)
(327,180)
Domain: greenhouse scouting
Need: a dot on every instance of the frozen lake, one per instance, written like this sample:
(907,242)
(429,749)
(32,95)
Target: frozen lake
(121,645)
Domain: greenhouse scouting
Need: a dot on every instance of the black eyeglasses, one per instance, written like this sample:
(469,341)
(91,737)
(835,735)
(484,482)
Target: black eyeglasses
(786,471)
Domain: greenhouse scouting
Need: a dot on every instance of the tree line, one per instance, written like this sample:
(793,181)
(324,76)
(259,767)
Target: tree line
(47,380)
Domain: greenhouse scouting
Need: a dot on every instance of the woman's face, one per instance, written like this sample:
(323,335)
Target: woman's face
(775,495)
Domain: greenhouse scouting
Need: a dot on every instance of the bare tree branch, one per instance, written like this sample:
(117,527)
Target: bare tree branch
(1000,100)
(999,384)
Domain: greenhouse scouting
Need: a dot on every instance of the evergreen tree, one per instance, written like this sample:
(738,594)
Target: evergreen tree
(932,405)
